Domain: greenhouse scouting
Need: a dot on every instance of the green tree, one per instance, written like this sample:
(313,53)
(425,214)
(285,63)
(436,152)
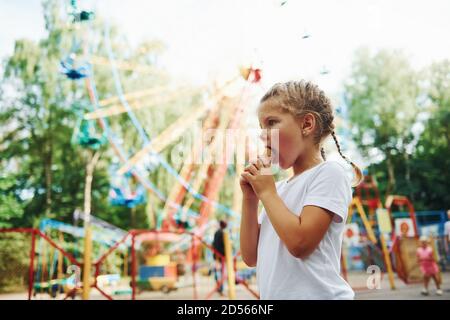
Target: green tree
(382,93)
(10,204)
(14,261)
(40,108)
(431,158)
(37,118)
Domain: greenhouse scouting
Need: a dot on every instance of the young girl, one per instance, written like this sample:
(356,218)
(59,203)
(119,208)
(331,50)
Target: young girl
(295,242)
(428,266)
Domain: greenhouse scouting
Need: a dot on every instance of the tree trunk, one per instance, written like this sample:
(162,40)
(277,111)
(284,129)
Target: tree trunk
(408,176)
(133,217)
(48,166)
(48,184)
(391,175)
(90,167)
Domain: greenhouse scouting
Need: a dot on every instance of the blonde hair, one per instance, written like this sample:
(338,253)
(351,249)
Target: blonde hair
(302,97)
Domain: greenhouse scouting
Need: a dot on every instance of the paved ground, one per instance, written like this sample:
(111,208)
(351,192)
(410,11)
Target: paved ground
(402,291)
(205,285)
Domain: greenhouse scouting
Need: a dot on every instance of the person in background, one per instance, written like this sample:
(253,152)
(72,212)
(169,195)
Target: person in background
(218,245)
(428,266)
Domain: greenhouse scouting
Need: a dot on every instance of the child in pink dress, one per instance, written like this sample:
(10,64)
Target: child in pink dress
(428,266)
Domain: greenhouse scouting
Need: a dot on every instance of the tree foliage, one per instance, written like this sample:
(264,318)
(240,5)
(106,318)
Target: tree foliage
(399,120)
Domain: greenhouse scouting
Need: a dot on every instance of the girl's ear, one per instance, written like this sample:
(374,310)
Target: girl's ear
(308,123)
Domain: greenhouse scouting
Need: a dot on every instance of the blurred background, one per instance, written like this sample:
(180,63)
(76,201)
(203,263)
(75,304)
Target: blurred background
(157,69)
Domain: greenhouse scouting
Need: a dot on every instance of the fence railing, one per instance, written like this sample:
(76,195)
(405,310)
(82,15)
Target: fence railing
(64,274)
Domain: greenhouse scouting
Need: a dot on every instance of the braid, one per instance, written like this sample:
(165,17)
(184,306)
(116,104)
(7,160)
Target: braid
(322,152)
(359,175)
(339,147)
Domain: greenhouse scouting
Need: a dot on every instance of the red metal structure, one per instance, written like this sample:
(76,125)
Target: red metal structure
(401,201)
(196,241)
(367,192)
(405,268)
(216,173)
(35,232)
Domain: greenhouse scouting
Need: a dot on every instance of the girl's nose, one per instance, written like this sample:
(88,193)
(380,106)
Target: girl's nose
(264,135)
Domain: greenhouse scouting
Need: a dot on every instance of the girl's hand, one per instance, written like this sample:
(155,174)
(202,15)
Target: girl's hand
(247,189)
(259,175)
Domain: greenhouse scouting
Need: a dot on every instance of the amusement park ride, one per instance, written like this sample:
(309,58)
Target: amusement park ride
(395,239)
(130,185)
(144,261)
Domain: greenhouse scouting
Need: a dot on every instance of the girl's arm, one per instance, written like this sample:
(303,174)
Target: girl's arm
(249,232)
(301,235)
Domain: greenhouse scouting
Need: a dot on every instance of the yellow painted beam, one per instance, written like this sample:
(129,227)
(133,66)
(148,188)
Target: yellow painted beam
(87,261)
(60,256)
(387,260)
(189,164)
(362,213)
(173,132)
(119,108)
(230,268)
(153,91)
(211,149)
(170,134)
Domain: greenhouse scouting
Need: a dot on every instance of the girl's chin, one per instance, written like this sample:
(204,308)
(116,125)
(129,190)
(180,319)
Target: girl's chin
(283,165)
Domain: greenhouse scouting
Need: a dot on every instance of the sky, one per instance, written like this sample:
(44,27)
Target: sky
(209,39)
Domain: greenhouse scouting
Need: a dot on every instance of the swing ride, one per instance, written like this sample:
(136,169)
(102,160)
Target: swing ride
(129,183)
(50,277)
(193,200)
(392,240)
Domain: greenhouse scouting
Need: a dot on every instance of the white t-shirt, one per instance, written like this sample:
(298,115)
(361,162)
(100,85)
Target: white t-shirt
(282,276)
